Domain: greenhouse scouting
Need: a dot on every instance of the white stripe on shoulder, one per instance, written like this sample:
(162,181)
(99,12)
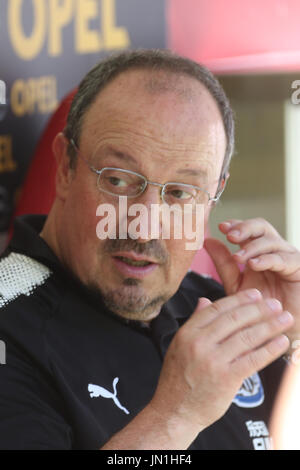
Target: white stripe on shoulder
(20,274)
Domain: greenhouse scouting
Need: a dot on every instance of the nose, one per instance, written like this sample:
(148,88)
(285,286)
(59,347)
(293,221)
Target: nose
(146,208)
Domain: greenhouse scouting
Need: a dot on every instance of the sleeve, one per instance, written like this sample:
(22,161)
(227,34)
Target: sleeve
(31,415)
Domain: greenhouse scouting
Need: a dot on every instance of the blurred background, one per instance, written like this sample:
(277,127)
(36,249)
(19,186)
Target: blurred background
(47,46)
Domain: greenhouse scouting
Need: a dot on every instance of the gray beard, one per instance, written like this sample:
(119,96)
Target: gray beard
(129,301)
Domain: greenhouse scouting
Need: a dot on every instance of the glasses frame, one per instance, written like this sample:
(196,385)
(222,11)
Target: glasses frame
(211,200)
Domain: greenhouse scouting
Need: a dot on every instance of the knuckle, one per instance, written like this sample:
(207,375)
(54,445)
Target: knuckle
(269,350)
(233,316)
(263,309)
(216,307)
(274,326)
(195,349)
(261,221)
(271,229)
(247,338)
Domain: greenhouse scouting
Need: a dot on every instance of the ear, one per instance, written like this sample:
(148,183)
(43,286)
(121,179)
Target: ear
(64,173)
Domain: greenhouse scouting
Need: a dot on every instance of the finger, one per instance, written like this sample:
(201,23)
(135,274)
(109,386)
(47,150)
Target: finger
(240,317)
(287,264)
(202,303)
(254,361)
(253,248)
(252,228)
(255,336)
(229,224)
(202,316)
(226,266)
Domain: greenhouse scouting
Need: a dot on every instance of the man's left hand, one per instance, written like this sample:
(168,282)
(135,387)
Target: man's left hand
(272,265)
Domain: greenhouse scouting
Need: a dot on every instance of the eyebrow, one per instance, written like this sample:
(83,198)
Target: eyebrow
(192,172)
(111,151)
(127,157)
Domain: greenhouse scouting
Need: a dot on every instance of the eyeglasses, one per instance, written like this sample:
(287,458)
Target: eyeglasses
(119,182)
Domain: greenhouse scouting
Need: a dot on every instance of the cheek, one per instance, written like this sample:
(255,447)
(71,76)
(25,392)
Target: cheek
(183,250)
(82,206)
(180,257)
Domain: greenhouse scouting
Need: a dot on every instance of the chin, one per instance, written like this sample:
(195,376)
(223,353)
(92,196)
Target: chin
(132,302)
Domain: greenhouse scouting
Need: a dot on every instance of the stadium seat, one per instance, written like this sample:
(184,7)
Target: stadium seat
(38,189)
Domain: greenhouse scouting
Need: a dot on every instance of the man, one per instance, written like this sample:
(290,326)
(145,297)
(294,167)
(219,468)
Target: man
(107,345)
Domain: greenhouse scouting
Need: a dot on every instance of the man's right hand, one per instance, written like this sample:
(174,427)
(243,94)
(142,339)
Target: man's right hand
(211,354)
(214,351)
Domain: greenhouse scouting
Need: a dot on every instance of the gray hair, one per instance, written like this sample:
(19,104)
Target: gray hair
(146,59)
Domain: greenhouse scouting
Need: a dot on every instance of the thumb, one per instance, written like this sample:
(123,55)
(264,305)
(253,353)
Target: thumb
(202,303)
(226,266)
(205,317)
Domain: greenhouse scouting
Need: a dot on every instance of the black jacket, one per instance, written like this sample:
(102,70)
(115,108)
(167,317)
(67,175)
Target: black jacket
(75,373)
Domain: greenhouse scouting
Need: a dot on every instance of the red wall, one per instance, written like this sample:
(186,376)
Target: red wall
(237,35)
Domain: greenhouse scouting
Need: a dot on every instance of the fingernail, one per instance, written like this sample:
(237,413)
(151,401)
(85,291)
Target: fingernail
(274,305)
(203,301)
(255,260)
(253,294)
(285,317)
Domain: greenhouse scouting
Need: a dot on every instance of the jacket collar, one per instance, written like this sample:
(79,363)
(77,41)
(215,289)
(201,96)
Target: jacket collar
(27,240)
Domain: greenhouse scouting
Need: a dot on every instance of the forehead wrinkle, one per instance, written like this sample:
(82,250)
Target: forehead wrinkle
(193,157)
(121,149)
(120,131)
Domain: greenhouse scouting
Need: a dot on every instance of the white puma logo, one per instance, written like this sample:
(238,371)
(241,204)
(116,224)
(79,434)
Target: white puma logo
(97,391)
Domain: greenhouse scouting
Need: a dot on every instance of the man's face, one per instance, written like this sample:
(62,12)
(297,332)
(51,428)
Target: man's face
(167,128)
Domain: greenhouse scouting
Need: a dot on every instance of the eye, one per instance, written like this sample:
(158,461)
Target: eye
(179,193)
(118,182)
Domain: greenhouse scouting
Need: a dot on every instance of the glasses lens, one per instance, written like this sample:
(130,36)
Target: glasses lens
(120,182)
(184,194)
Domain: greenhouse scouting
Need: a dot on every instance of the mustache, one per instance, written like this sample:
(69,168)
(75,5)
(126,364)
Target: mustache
(152,248)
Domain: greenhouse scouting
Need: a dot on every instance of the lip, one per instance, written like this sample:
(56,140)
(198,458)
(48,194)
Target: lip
(138,272)
(134,256)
